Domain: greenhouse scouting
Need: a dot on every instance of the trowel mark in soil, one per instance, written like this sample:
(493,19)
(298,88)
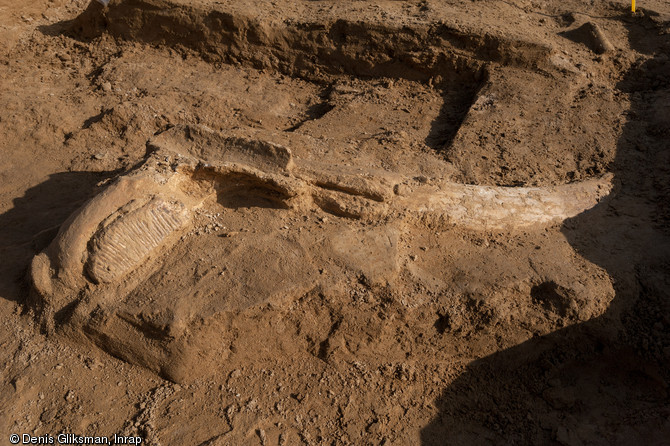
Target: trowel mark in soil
(315,111)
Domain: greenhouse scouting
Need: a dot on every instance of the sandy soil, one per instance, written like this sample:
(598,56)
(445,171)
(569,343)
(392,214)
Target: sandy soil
(315,323)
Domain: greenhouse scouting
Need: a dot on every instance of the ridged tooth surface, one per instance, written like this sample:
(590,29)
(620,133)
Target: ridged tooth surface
(127,241)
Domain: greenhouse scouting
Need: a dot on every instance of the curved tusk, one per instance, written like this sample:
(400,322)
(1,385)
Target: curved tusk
(491,207)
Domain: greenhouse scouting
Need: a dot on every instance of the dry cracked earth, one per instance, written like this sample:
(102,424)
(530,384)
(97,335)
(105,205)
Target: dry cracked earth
(335,221)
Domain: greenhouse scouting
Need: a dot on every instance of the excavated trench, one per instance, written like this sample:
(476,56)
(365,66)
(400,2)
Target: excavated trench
(311,51)
(450,62)
(435,91)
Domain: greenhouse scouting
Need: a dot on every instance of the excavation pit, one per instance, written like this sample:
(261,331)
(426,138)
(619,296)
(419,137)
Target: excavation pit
(370,129)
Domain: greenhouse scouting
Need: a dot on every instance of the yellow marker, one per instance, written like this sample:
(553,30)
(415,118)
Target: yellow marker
(633,6)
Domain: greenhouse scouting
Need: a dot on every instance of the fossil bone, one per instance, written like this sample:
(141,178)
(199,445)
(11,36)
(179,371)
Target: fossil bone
(101,250)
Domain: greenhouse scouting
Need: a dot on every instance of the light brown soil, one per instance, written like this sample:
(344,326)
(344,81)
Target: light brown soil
(323,327)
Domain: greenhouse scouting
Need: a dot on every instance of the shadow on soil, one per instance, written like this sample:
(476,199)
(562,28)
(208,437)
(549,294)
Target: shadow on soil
(33,221)
(604,381)
(457,103)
